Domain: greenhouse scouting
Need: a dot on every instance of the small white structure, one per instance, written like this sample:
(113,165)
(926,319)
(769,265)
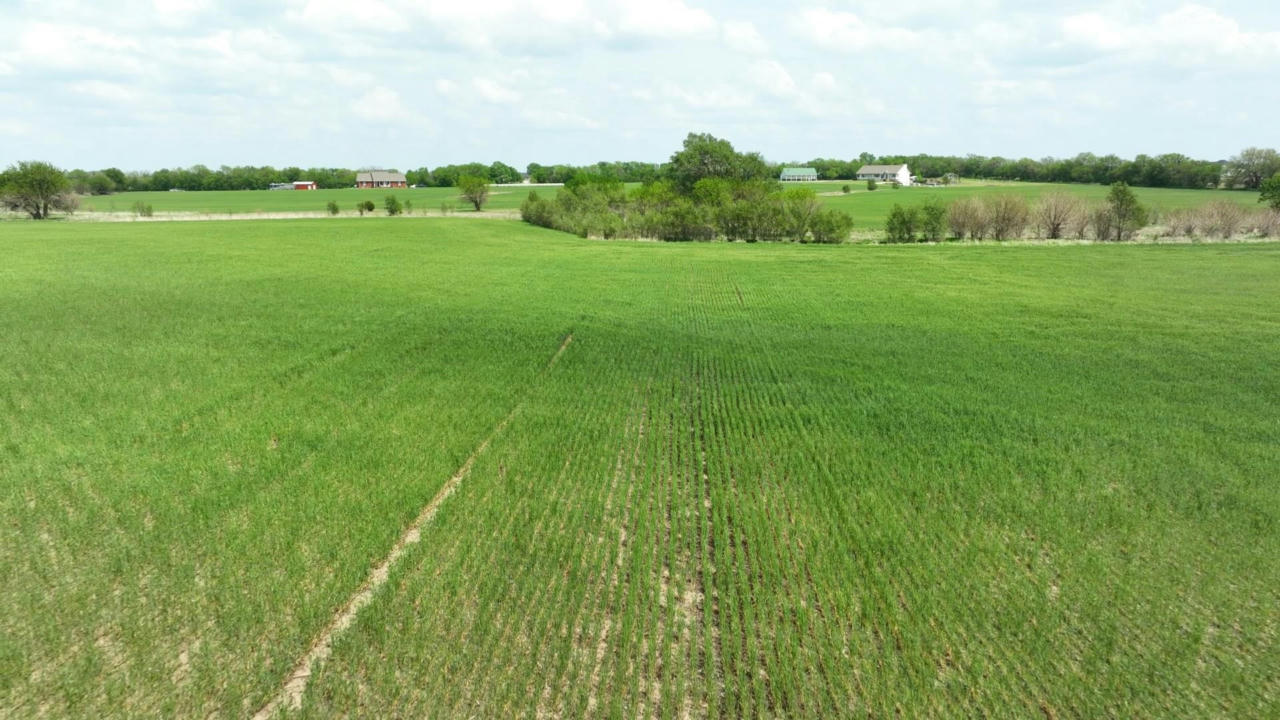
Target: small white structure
(886,173)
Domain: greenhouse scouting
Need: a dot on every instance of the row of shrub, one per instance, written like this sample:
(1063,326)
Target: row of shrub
(717,208)
(1064,215)
(1221,219)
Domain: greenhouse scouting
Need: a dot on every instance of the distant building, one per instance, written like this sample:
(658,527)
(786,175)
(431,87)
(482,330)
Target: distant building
(304,185)
(380,179)
(795,174)
(885,173)
(280,186)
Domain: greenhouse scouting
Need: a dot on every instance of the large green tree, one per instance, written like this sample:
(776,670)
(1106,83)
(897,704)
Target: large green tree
(36,188)
(1252,166)
(706,156)
(503,174)
(475,189)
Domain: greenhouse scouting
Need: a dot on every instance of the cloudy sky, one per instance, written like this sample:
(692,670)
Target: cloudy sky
(143,84)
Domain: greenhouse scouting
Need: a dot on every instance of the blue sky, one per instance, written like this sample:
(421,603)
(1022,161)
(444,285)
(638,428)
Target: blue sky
(144,84)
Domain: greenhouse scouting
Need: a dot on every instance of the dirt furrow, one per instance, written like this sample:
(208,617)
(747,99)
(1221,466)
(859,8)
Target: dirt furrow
(295,685)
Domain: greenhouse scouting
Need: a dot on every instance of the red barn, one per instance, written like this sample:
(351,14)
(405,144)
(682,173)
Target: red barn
(304,185)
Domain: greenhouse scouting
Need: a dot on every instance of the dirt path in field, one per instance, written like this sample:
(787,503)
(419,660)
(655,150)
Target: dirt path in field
(295,685)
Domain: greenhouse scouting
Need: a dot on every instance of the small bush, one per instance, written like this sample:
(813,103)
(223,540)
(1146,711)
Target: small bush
(408,207)
(364,206)
(871,184)
(846,189)
(1101,223)
(1007,216)
(1182,222)
(901,225)
(830,226)
(933,221)
(446,208)
(332,207)
(393,206)
(967,218)
(142,209)
(1221,218)
(1056,213)
(536,211)
(1268,223)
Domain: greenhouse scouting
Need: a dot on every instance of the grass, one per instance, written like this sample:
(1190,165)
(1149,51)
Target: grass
(868,209)
(762,480)
(273,201)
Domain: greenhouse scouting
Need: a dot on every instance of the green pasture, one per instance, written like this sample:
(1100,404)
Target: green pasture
(760,480)
(275,201)
(868,209)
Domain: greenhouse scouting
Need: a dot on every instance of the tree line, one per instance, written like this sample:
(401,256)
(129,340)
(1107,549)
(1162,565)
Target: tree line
(1246,170)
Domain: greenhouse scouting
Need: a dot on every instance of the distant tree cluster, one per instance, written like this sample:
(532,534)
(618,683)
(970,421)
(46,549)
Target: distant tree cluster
(498,173)
(708,191)
(627,172)
(1171,170)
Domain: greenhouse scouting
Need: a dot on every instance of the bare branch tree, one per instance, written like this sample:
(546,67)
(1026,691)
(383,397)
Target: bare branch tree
(1056,213)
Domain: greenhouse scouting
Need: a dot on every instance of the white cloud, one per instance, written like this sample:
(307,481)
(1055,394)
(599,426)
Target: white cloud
(182,9)
(1185,36)
(772,77)
(723,97)
(495,92)
(14,127)
(337,16)
(583,80)
(743,37)
(72,46)
(559,120)
(347,77)
(663,19)
(841,31)
(1014,92)
(380,104)
(108,91)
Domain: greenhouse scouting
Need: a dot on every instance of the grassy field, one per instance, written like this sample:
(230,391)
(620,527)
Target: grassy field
(269,201)
(868,209)
(760,480)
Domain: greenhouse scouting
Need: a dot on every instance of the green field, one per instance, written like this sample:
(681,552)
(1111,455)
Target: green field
(758,480)
(273,201)
(868,209)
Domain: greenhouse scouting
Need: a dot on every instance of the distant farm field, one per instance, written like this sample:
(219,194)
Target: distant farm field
(868,209)
(277,201)
(641,479)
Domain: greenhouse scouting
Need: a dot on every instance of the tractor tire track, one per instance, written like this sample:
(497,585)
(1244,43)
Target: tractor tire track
(295,685)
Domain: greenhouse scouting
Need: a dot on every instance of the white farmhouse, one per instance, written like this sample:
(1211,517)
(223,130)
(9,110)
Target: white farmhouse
(886,173)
